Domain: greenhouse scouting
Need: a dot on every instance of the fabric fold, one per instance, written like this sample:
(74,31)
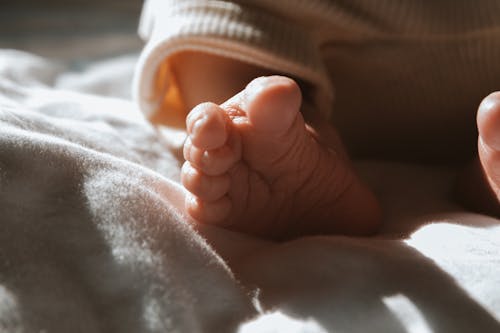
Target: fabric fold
(226,29)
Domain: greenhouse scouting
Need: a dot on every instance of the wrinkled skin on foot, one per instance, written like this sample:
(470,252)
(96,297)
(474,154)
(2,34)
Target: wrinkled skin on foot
(253,165)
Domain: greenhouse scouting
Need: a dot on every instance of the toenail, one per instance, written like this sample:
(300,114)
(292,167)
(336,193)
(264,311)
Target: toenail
(205,157)
(197,114)
(259,82)
(253,89)
(198,123)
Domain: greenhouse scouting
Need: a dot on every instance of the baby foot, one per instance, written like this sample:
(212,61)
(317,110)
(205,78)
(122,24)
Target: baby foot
(488,122)
(253,165)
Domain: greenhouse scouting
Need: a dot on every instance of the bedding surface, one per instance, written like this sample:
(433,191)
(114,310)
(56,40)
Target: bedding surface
(92,240)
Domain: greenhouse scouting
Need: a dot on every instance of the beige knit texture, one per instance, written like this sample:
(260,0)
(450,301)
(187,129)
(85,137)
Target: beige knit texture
(396,65)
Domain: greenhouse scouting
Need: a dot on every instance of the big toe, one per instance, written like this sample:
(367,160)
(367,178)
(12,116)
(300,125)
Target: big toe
(488,121)
(271,103)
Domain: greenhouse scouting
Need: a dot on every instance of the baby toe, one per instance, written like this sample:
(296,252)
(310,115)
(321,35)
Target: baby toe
(213,162)
(214,212)
(207,126)
(207,188)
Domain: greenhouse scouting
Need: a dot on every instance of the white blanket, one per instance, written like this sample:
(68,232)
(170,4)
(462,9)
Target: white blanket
(91,239)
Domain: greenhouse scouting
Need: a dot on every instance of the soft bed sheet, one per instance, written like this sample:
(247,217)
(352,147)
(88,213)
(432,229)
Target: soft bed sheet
(92,240)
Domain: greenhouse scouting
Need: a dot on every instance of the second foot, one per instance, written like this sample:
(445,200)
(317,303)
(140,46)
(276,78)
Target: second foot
(253,165)
(488,123)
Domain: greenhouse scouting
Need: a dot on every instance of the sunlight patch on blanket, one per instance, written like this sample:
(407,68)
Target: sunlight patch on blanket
(467,254)
(9,312)
(278,322)
(407,313)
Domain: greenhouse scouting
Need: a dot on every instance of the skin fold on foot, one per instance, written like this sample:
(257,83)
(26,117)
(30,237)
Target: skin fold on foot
(253,165)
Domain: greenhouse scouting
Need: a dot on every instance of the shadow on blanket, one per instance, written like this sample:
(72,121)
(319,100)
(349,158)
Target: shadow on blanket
(91,238)
(90,242)
(364,286)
